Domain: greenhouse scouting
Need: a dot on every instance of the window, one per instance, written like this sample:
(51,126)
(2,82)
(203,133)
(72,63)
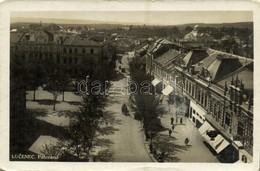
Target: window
(228,119)
(206,100)
(23,57)
(76,60)
(83,50)
(51,56)
(58,59)
(75,50)
(64,60)
(202,98)
(58,70)
(198,95)
(91,51)
(240,129)
(70,50)
(64,50)
(70,60)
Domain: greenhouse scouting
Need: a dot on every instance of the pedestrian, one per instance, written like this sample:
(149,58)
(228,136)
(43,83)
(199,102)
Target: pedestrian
(170,132)
(172,120)
(173,127)
(186,141)
(181,120)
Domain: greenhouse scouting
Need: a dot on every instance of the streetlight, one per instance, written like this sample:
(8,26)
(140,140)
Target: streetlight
(175,82)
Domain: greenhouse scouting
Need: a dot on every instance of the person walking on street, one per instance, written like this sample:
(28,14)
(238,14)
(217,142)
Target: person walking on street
(172,120)
(186,141)
(173,127)
(180,120)
(170,132)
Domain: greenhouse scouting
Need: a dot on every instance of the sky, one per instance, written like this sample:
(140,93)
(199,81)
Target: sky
(141,17)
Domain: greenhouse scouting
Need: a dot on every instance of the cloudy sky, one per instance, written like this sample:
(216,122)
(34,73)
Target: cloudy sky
(140,17)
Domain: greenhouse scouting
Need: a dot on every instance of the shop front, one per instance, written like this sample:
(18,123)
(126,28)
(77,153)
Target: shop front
(218,144)
(196,114)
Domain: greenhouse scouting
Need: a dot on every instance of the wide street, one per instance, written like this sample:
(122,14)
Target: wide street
(128,143)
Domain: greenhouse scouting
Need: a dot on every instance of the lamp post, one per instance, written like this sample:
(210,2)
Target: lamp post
(175,82)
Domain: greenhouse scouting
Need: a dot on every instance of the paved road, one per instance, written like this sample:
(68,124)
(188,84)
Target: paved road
(128,140)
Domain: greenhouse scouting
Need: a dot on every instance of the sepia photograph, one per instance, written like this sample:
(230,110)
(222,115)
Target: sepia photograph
(129,86)
(132,86)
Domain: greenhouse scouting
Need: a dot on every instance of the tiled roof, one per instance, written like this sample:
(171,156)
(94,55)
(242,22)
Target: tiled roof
(166,57)
(74,39)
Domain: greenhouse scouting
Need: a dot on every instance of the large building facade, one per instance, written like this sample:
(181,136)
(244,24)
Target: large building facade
(68,51)
(218,88)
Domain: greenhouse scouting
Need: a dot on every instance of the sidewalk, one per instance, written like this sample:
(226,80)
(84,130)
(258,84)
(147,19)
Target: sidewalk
(196,151)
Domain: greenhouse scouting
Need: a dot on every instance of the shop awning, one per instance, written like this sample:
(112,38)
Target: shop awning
(219,143)
(155,82)
(205,127)
(168,89)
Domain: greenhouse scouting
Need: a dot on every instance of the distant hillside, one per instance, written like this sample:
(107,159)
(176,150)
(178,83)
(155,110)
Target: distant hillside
(248,25)
(18,22)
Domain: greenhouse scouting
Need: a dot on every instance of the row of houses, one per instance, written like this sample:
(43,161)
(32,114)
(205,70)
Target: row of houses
(218,88)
